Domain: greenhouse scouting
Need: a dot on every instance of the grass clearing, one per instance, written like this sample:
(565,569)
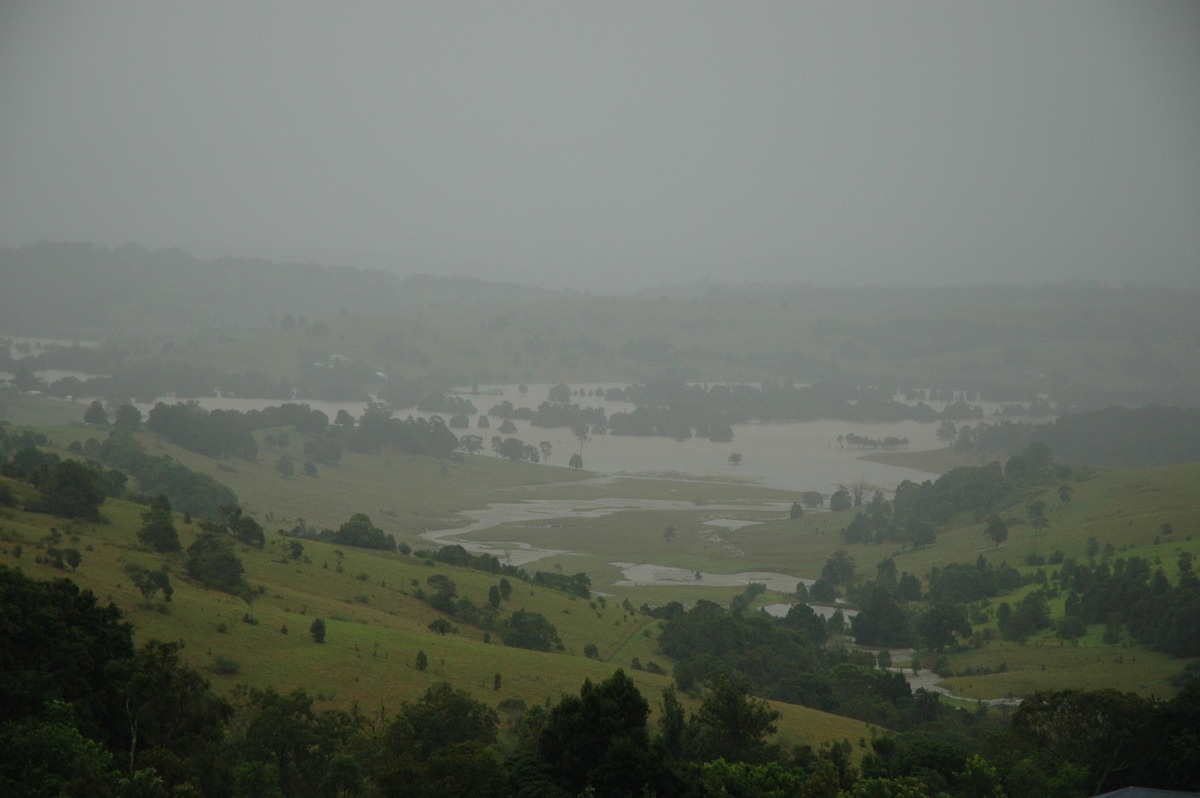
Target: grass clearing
(1050,664)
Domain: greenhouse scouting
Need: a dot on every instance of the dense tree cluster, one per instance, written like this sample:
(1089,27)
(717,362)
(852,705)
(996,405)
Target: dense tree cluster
(438,402)
(212,561)
(864,442)
(1130,593)
(572,584)
(158,526)
(214,433)
(1113,436)
(958,583)
(911,518)
(455,554)
(515,449)
(376,428)
(530,630)
(229,432)
(361,533)
(67,488)
(187,491)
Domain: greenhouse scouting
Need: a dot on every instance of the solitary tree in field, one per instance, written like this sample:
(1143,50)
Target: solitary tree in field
(95,414)
(580,431)
(840,500)
(1037,516)
(441,626)
(317,630)
(997,530)
(858,491)
(150,582)
(73,558)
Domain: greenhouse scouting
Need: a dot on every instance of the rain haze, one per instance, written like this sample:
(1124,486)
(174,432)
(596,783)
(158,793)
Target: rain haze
(606,147)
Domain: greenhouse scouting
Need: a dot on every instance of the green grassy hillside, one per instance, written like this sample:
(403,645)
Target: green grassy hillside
(375,624)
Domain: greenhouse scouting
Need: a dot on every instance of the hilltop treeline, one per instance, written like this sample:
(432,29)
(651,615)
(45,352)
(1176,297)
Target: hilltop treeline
(57,289)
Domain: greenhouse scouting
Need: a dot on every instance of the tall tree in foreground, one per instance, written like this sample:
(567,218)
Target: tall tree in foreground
(732,724)
(598,740)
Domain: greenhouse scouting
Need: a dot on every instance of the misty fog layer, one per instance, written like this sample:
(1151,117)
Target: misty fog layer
(612,146)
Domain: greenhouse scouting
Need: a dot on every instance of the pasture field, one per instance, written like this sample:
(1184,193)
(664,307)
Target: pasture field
(1046,663)
(375,624)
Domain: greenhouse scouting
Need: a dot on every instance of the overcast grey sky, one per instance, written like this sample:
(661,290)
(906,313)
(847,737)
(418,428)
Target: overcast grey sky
(609,145)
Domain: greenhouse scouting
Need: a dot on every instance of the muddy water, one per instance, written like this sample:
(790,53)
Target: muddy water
(518,553)
(801,456)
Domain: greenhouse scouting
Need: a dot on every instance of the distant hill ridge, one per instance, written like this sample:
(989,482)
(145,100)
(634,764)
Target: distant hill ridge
(71,289)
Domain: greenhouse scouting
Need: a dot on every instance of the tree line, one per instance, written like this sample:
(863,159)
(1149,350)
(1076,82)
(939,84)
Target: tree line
(1114,436)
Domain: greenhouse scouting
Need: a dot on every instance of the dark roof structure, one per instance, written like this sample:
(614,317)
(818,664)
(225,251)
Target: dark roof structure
(1146,792)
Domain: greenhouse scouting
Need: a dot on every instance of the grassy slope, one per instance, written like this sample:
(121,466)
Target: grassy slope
(375,625)
(1124,508)
(37,411)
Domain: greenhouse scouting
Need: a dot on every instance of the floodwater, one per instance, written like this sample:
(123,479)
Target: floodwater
(801,456)
(518,553)
(640,574)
